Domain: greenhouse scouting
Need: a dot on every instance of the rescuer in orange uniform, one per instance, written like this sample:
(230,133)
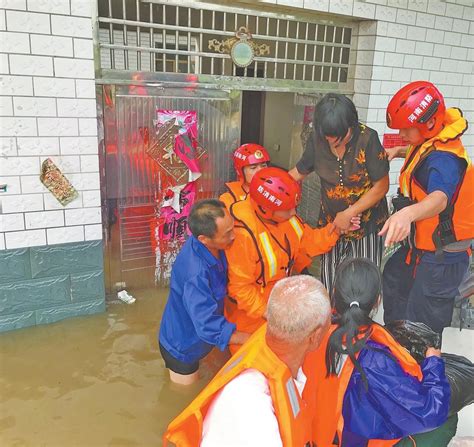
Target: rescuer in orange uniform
(435,208)
(255,399)
(248,160)
(271,242)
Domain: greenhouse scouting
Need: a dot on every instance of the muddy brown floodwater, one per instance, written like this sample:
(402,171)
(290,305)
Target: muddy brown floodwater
(92,381)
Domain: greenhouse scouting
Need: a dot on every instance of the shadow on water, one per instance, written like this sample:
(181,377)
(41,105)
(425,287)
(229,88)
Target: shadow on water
(92,381)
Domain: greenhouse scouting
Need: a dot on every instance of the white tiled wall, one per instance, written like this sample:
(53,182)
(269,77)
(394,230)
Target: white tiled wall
(47,104)
(414,40)
(399,41)
(47,109)
(407,40)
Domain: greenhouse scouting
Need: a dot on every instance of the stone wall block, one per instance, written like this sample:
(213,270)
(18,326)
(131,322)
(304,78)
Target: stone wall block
(66,258)
(14,265)
(87,287)
(17,321)
(45,316)
(17,297)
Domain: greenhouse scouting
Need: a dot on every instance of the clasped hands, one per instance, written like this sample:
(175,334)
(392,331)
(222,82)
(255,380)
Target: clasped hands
(345,221)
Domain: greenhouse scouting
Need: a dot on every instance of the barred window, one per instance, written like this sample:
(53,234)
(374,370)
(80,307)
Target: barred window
(164,37)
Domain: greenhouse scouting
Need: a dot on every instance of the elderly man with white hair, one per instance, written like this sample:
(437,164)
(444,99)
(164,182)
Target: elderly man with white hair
(255,399)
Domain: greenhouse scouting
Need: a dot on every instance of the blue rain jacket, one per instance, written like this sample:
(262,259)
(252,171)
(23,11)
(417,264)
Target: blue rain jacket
(193,321)
(396,404)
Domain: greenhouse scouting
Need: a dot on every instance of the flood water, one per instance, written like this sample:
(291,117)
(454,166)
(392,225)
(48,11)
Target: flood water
(100,381)
(92,381)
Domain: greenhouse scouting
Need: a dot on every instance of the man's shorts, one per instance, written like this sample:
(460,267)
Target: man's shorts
(176,365)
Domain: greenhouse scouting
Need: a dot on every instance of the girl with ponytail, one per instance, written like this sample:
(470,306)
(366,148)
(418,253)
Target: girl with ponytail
(364,387)
(355,295)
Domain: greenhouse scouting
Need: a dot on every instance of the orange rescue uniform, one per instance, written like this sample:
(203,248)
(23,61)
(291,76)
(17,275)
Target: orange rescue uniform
(325,395)
(456,223)
(235,192)
(262,254)
(290,410)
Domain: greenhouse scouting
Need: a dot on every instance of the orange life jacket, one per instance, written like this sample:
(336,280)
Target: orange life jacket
(325,395)
(456,222)
(271,252)
(290,410)
(234,193)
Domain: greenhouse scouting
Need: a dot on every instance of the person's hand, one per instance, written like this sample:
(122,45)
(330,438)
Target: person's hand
(394,152)
(355,223)
(342,222)
(433,352)
(397,227)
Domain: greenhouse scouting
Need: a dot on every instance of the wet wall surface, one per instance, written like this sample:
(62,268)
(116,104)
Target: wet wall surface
(92,381)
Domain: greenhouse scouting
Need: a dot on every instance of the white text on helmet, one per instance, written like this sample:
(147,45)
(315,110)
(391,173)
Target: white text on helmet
(239,155)
(268,196)
(421,107)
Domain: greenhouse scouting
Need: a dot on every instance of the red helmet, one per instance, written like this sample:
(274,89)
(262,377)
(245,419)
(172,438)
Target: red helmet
(414,105)
(274,189)
(249,154)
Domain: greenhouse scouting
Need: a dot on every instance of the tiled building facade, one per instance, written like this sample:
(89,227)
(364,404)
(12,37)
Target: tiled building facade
(51,264)
(48,109)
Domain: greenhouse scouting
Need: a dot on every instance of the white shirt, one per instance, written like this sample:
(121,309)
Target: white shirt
(242,413)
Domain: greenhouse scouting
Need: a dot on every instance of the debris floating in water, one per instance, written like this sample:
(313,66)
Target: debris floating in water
(124,296)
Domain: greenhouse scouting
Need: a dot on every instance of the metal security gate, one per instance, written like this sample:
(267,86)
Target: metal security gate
(184,37)
(135,183)
(169,54)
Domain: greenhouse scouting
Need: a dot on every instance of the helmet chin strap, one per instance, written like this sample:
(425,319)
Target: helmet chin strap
(264,215)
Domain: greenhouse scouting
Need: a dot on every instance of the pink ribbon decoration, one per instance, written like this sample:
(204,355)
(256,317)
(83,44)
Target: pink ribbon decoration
(186,146)
(174,225)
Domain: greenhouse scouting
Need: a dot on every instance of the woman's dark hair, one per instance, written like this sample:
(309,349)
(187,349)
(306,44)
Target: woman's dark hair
(334,115)
(203,216)
(356,289)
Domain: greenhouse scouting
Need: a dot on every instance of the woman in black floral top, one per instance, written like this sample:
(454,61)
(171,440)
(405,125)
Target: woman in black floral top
(353,168)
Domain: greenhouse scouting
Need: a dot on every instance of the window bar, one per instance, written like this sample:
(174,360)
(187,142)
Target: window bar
(125,40)
(296,49)
(265,64)
(340,58)
(234,68)
(201,22)
(152,42)
(332,52)
(213,26)
(246,26)
(276,49)
(189,40)
(256,32)
(163,38)
(286,48)
(305,50)
(111,38)
(176,41)
(316,28)
(139,53)
(225,29)
(324,53)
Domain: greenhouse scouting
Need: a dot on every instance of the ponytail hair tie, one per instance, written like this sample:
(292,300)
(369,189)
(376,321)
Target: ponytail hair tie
(354,303)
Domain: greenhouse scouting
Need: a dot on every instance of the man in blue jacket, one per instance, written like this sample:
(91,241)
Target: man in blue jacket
(193,321)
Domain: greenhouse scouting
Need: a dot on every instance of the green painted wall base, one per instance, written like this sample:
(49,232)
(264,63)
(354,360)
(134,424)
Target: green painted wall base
(41,285)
